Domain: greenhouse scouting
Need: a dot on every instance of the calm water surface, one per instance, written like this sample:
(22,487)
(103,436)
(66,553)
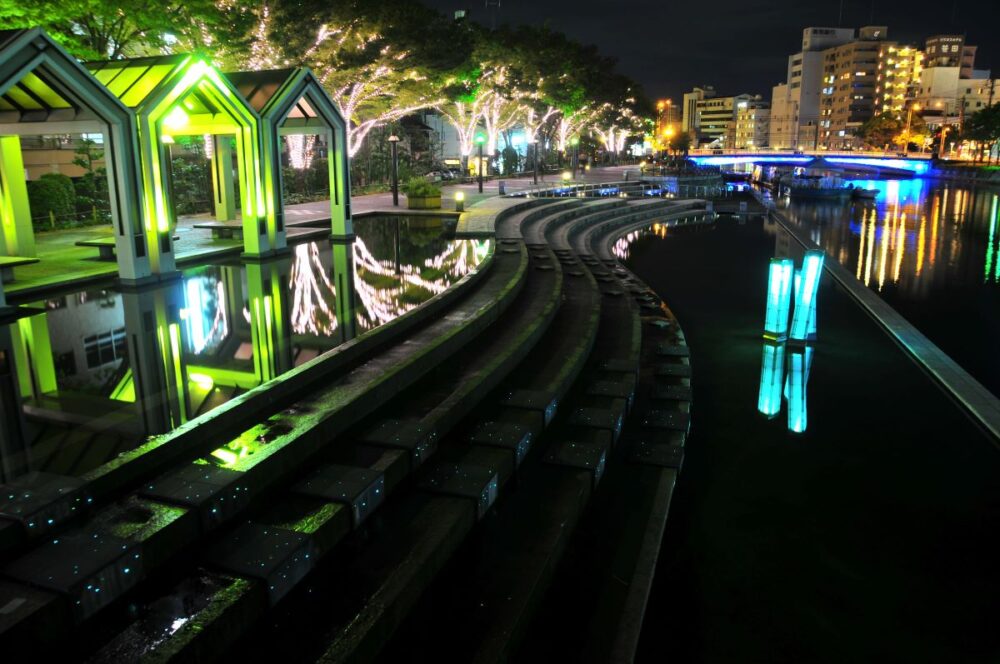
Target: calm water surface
(930,249)
(99,369)
(866,535)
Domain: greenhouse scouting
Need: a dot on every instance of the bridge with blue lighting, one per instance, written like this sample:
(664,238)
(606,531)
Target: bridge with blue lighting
(917,167)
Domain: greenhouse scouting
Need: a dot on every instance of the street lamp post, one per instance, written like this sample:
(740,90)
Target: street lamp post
(534,142)
(909,121)
(393,140)
(576,155)
(479,176)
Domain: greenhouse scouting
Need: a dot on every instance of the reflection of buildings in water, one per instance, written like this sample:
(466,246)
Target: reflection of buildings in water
(918,236)
(85,335)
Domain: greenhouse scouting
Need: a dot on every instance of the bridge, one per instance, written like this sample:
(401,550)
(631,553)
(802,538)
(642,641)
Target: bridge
(914,164)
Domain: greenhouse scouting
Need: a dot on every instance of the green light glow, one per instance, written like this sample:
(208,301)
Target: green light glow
(991,248)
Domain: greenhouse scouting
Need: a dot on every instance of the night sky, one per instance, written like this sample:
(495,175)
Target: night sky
(736,45)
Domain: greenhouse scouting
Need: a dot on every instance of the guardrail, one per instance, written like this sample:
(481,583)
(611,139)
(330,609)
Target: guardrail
(811,153)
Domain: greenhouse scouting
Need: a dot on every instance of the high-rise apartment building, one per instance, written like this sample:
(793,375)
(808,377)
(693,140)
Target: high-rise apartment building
(950,86)
(850,74)
(795,112)
(899,69)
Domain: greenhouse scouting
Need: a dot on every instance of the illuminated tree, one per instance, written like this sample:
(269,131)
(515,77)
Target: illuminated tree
(881,130)
(983,127)
(379,61)
(99,29)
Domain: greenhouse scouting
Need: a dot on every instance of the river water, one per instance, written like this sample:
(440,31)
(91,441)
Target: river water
(929,249)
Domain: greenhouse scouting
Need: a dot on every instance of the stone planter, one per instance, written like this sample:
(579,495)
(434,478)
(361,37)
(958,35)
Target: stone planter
(423,202)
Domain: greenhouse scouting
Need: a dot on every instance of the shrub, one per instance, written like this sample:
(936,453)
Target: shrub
(51,195)
(421,188)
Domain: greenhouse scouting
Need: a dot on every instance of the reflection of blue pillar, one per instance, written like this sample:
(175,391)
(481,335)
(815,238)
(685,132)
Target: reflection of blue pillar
(14,459)
(806,287)
(799,364)
(156,355)
(779,295)
(343,282)
(772,367)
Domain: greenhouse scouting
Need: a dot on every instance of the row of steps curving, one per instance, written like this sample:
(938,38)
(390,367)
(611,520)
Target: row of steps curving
(414,491)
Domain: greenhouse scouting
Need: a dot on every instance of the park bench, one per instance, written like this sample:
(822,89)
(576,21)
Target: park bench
(8,263)
(105,246)
(222,230)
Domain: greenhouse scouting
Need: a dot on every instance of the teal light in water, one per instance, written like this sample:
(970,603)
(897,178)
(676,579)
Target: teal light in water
(799,363)
(806,285)
(772,366)
(779,296)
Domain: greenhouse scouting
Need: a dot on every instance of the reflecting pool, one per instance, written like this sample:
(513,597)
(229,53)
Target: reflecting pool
(834,505)
(98,369)
(930,249)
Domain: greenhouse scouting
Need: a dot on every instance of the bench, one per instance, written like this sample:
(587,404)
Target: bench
(106,246)
(8,263)
(222,230)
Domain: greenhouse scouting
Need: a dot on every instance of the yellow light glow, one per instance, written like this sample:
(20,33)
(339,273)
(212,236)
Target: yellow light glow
(176,118)
(459,195)
(201,380)
(566,175)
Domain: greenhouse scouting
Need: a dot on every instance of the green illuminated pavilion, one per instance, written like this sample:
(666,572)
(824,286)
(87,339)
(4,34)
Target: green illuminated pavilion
(291,102)
(44,90)
(183,95)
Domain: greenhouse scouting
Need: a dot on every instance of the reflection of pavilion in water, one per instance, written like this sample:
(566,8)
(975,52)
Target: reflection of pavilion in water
(914,238)
(96,371)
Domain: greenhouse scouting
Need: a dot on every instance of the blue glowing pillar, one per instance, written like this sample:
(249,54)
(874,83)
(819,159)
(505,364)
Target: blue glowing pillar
(772,365)
(806,286)
(779,295)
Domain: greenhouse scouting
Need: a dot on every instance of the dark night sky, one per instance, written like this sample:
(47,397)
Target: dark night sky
(736,45)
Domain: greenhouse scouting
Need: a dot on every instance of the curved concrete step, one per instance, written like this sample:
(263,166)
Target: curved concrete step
(192,499)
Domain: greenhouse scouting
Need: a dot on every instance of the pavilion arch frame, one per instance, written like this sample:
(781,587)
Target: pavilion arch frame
(156,116)
(301,84)
(32,53)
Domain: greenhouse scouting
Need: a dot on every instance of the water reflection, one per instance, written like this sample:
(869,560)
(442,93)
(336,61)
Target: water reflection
(95,371)
(932,251)
(778,377)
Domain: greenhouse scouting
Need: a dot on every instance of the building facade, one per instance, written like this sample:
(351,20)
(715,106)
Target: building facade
(689,114)
(795,108)
(899,70)
(850,75)
(753,120)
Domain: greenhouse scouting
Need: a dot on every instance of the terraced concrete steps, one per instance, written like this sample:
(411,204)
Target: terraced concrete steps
(207,496)
(487,597)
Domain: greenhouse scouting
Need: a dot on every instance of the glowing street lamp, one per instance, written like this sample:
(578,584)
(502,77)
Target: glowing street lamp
(393,140)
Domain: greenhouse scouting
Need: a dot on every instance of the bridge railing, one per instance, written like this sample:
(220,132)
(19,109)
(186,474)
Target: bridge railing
(810,153)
